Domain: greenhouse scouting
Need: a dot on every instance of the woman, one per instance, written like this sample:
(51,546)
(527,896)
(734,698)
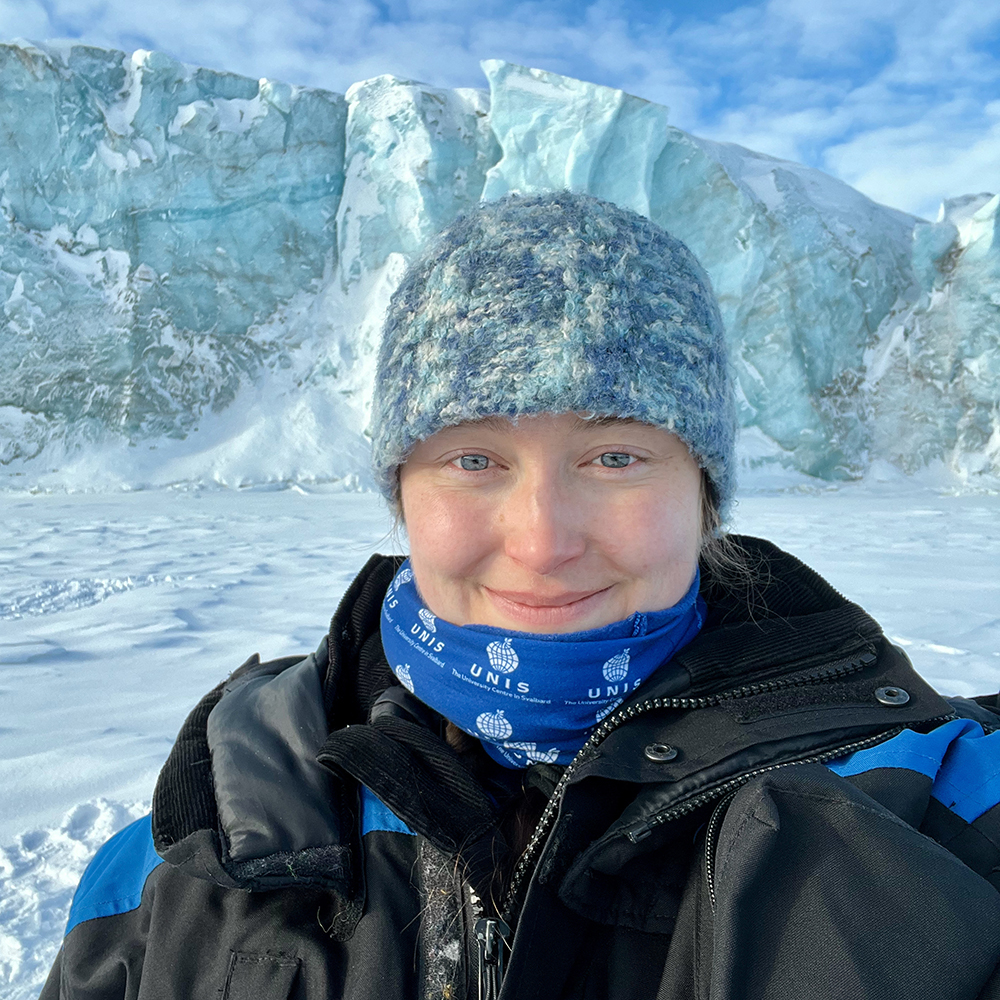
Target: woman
(579,743)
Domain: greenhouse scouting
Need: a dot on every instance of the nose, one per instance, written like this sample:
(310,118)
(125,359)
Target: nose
(542,524)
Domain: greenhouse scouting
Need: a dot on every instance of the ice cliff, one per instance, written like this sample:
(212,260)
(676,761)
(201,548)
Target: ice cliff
(194,266)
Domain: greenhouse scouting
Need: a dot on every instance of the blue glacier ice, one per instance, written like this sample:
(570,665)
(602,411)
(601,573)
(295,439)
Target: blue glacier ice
(153,216)
(194,266)
(934,374)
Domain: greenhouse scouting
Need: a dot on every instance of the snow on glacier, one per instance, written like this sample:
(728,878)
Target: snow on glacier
(194,267)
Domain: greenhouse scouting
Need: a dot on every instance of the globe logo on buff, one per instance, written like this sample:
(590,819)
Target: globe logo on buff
(616,669)
(605,712)
(428,620)
(494,726)
(502,657)
(403,673)
(531,751)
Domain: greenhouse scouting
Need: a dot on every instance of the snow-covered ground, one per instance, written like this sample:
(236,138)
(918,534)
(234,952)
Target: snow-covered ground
(118,611)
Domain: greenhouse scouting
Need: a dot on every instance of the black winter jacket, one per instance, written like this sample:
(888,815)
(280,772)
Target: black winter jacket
(313,836)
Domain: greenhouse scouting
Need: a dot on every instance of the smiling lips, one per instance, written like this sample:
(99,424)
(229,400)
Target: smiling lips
(557,610)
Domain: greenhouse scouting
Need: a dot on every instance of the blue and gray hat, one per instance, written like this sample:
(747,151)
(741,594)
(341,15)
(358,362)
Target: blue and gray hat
(554,303)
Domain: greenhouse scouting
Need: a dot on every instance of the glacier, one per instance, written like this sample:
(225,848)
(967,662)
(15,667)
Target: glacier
(194,266)
(934,373)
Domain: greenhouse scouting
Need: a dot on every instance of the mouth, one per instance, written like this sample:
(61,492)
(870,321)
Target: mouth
(556,610)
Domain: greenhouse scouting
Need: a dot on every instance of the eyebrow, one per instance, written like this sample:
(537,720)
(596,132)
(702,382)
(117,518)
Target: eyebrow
(502,425)
(584,422)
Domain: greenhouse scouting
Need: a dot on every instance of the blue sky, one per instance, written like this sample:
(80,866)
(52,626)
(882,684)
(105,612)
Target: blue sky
(900,98)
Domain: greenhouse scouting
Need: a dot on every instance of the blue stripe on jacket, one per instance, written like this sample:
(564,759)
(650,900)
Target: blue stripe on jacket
(961,760)
(376,815)
(114,880)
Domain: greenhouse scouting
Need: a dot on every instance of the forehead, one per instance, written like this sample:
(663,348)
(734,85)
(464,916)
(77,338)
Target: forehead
(551,434)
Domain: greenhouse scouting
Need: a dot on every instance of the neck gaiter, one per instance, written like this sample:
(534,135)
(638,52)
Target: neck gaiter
(528,697)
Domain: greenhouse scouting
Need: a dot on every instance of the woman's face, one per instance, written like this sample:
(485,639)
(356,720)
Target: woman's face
(555,524)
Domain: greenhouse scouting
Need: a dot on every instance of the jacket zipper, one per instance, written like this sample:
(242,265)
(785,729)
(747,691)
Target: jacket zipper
(493,936)
(711,834)
(526,864)
(729,789)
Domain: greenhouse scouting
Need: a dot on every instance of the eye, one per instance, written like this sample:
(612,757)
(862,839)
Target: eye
(473,463)
(615,459)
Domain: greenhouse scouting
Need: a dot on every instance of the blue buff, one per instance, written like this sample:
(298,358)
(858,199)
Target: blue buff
(528,697)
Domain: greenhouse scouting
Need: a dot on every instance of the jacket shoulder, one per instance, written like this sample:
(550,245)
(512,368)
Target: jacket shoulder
(105,934)
(114,879)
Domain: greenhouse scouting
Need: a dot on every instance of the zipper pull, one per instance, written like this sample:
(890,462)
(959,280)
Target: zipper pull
(493,936)
(639,831)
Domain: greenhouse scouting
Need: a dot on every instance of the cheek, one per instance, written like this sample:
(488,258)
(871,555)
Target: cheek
(654,534)
(661,523)
(447,534)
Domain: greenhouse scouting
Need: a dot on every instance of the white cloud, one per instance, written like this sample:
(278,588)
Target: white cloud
(891,95)
(22,20)
(918,166)
(907,126)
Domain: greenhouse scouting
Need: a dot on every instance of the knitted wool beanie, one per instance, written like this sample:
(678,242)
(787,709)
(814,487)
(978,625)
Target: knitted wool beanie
(554,303)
